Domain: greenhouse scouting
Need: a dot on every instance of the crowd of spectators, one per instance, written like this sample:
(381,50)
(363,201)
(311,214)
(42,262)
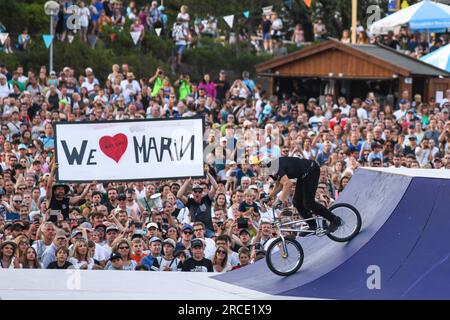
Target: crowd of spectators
(218,223)
(413,44)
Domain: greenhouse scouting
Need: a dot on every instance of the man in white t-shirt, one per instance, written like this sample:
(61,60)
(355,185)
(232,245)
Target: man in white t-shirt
(316,121)
(404,106)
(130,88)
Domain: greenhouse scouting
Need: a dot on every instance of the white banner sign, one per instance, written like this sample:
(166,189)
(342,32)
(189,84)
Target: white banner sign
(129,150)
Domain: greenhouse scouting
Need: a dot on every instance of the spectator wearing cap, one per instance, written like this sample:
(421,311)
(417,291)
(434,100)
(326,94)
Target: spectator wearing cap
(187,232)
(167,261)
(112,232)
(404,106)
(115,262)
(123,248)
(410,133)
(199,233)
(57,195)
(200,205)
(244,240)
(152,229)
(151,261)
(410,148)
(198,262)
(49,254)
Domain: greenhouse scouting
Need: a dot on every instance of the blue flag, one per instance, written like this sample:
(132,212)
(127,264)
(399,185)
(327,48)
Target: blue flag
(48,38)
(247,14)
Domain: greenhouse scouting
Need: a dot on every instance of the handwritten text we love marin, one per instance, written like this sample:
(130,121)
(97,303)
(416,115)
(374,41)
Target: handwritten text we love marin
(160,149)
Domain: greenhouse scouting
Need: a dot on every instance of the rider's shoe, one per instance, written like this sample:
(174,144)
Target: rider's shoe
(334,225)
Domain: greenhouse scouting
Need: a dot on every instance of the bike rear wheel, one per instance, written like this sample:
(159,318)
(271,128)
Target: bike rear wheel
(350,222)
(284,262)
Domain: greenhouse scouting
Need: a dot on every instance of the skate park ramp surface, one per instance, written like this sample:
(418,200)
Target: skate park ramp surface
(402,251)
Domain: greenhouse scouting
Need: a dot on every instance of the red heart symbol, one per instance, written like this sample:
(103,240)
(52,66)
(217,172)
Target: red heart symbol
(114,147)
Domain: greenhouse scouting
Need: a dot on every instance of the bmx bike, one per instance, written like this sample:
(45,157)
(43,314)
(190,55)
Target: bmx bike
(285,255)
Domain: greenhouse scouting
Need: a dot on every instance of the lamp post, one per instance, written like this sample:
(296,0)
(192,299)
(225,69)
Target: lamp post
(51,9)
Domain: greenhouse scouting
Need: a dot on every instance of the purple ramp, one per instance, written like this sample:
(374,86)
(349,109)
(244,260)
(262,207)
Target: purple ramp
(411,251)
(374,194)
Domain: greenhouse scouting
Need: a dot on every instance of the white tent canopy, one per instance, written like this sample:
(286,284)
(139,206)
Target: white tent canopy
(424,16)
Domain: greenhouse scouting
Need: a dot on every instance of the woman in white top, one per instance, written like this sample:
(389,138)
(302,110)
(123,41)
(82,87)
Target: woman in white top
(7,258)
(220,260)
(81,258)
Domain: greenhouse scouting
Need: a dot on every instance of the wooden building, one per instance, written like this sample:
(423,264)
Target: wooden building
(352,71)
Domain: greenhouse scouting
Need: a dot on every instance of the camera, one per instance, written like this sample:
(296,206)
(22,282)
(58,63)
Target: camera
(220,224)
(138,225)
(242,223)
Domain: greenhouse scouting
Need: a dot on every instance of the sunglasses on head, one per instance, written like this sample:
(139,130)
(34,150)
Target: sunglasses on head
(221,251)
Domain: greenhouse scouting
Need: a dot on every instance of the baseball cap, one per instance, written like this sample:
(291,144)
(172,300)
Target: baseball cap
(137,235)
(155,239)
(22,146)
(60,234)
(86,225)
(197,242)
(412,138)
(170,242)
(187,227)
(411,111)
(244,230)
(115,256)
(197,187)
(152,225)
(112,228)
(75,233)
(18,226)
(100,225)
(223,139)
(267,109)
(403,101)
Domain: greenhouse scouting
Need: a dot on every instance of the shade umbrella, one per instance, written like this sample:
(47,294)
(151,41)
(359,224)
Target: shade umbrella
(439,58)
(425,16)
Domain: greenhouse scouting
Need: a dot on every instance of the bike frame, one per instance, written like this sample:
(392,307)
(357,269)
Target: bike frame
(280,227)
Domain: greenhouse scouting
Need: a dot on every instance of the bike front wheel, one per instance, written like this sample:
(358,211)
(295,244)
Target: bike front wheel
(350,222)
(284,261)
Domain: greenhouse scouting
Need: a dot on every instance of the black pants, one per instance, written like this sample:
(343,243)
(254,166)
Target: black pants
(305,197)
